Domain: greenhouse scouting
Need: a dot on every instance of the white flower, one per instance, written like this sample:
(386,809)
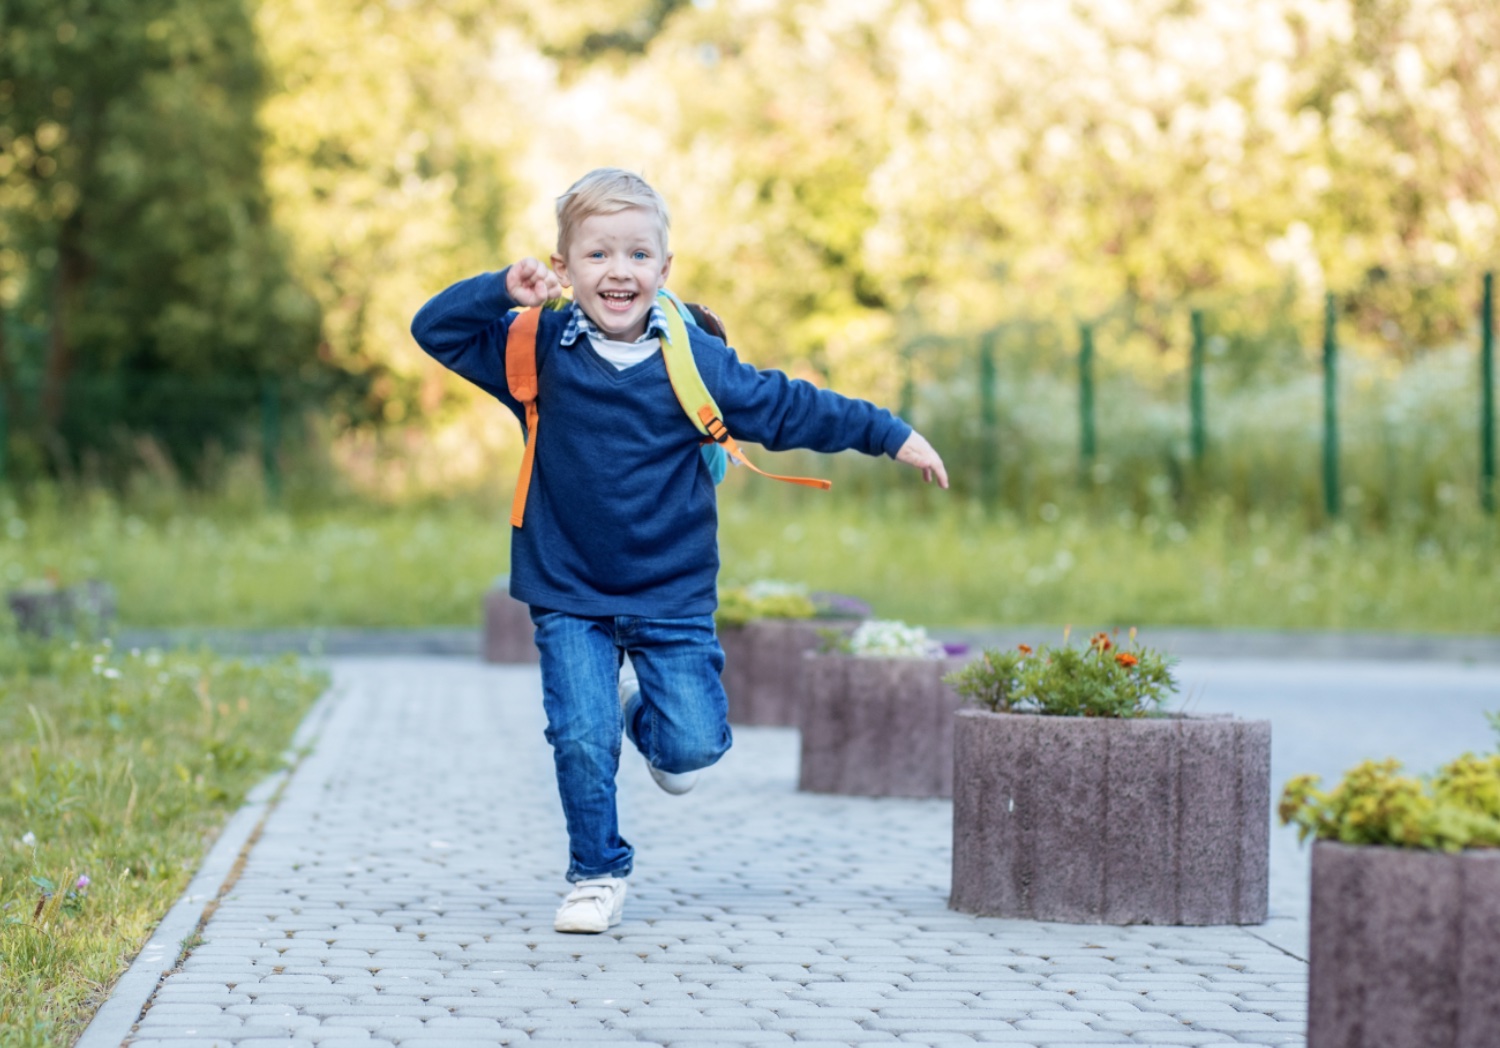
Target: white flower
(878,638)
(29,839)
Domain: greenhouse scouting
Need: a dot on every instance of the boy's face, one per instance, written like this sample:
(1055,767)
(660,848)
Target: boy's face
(615,265)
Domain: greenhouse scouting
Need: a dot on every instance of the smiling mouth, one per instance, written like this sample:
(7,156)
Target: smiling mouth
(617,299)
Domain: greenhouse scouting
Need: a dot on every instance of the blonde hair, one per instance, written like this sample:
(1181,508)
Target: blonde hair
(606,191)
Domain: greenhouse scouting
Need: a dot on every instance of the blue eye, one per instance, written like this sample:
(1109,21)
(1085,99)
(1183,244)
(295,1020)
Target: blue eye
(640,256)
(596,254)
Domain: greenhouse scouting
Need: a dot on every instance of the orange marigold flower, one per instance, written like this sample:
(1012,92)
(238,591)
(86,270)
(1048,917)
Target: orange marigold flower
(1101,641)
(1126,659)
(1024,649)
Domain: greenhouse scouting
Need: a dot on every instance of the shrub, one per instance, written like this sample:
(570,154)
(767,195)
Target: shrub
(1100,680)
(1457,808)
(764,599)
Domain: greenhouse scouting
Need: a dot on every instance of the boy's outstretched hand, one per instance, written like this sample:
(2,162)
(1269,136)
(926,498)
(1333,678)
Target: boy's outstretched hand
(917,452)
(530,283)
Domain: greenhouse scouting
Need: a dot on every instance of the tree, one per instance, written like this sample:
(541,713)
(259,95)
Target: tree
(144,286)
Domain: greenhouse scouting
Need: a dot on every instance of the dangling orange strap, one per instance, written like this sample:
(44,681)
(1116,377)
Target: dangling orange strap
(520,375)
(716,431)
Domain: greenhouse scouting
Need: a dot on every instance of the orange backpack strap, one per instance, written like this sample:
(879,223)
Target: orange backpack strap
(520,375)
(720,435)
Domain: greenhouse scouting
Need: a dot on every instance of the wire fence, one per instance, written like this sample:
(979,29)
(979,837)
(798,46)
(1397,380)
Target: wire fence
(1328,432)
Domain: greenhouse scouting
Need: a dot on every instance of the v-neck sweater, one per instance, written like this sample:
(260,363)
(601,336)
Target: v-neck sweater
(621,517)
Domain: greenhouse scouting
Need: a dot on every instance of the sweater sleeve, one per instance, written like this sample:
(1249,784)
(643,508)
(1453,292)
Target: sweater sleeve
(779,412)
(463,328)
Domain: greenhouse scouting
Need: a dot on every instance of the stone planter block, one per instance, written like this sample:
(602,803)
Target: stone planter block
(508,631)
(736,676)
(1160,820)
(1405,948)
(763,667)
(877,727)
(88,606)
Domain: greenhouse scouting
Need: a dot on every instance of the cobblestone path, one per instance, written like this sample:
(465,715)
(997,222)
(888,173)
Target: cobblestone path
(402,893)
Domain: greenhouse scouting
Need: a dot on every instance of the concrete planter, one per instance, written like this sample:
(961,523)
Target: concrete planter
(763,667)
(1160,820)
(88,606)
(877,727)
(1405,948)
(508,631)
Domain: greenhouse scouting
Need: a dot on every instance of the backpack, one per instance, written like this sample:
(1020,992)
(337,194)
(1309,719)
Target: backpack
(682,372)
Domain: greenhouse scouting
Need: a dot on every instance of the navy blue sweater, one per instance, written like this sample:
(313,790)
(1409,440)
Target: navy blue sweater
(621,517)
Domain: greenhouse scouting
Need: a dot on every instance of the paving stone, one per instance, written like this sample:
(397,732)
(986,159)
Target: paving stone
(188,1011)
(201,1042)
(719,1038)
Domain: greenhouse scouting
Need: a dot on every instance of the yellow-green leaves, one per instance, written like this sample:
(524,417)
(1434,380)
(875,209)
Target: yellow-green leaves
(1457,808)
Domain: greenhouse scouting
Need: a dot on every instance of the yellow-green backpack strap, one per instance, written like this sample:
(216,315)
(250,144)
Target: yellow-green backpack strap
(682,369)
(697,402)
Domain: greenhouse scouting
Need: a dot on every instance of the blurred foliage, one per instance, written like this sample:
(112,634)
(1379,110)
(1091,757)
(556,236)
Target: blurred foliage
(137,232)
(188,189)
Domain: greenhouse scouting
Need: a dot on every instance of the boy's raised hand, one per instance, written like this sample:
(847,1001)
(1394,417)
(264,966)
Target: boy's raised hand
(917,452)
(531,283)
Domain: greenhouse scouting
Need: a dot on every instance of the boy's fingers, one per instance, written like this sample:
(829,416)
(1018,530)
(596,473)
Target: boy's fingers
(531,283)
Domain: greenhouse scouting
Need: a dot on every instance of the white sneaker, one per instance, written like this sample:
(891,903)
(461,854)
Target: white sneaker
(593,906)
(674,783)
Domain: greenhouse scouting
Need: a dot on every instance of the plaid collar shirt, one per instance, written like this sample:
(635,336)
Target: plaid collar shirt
(580,326)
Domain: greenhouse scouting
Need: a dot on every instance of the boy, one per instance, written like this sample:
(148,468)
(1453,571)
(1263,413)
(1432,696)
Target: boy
(618,553)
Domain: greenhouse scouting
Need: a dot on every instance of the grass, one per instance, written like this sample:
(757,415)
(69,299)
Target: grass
(915,554)
(119,767)
(970,567)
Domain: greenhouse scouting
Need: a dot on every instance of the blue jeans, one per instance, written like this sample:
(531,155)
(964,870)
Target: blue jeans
(679,722)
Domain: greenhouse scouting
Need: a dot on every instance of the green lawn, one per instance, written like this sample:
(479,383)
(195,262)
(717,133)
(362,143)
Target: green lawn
(118,769)
(920,556)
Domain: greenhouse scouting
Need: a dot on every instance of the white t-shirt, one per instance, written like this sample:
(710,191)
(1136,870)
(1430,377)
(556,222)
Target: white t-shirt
(625,354)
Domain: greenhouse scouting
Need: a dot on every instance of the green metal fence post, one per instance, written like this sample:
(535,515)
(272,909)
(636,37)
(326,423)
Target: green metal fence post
(908,391)
(1199,431)
(1086,446)
(989,417)
(1487,396)
(4,433)
(270,436)
(1330,406)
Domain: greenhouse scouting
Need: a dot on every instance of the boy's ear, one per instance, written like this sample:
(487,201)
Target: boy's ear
(666,267)
(560,267)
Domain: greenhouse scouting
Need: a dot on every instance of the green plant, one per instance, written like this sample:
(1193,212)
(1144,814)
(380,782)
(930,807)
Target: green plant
(1101,680)
(764,599)
(1456,808)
